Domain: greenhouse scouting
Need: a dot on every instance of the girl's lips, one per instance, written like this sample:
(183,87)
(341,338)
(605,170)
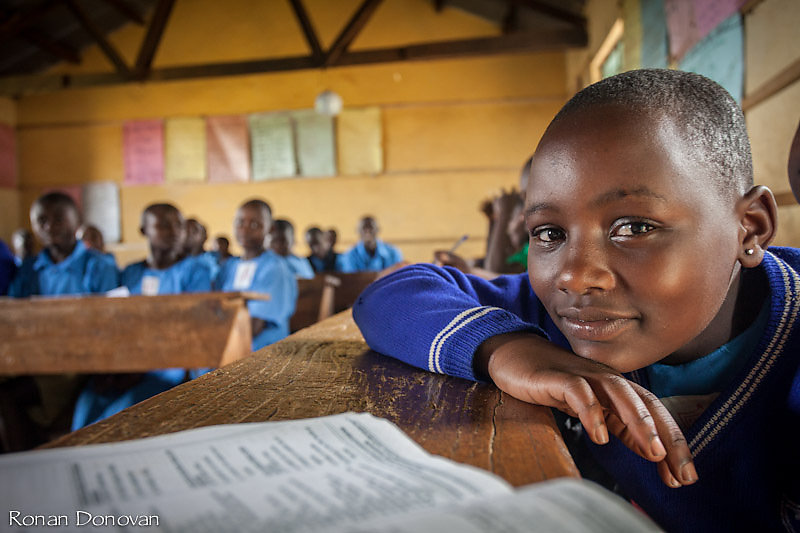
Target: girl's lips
(593,324)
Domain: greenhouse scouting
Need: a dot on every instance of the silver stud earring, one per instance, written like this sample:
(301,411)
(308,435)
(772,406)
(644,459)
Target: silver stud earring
(749,251)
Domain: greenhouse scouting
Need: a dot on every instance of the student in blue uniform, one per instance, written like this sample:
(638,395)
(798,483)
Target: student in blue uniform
(370,253)
(260,270)
(92,238)
(8,267)
(196,236)
(322,258)
(23,245)
(281,241)
(166,270)
(65,265)
(163,272)
(652,309)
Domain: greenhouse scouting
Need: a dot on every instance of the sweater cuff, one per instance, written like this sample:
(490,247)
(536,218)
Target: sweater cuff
(453,349)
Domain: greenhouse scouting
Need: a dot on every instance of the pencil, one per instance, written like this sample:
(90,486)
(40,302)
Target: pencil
(458,243)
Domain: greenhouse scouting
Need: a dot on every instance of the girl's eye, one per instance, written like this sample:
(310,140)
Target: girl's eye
(547,234)
(630,229)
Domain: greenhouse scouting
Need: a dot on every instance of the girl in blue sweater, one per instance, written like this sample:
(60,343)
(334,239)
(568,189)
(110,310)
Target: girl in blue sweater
(651,310)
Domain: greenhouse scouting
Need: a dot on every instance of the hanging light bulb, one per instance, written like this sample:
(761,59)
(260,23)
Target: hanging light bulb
(328,103)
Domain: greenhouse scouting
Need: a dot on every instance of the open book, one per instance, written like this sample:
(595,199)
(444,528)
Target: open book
(348,472)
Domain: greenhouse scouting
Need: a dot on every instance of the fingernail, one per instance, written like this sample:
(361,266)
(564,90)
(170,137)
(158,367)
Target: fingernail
(601,435)
(656,447)
(674,483)
(688,473)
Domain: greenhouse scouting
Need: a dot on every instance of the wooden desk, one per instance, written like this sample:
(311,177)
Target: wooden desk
(134,334)
(327,369)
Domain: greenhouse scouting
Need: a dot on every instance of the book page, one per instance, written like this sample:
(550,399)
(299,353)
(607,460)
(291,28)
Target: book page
(323,474)
(562,505)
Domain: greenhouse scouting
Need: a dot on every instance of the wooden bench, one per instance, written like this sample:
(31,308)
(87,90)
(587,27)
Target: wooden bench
(327,294)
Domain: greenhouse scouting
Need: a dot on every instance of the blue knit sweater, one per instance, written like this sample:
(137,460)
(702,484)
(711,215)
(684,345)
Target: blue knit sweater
(746,445)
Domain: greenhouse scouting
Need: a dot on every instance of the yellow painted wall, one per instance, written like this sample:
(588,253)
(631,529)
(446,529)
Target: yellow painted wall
(9,198)
(454,131)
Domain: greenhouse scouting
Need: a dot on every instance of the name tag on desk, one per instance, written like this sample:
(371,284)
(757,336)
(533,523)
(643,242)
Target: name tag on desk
(150,285)
(243,278)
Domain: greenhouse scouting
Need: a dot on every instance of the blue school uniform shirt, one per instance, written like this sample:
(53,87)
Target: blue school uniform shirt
(8,268)
(332,262)
(299,266)
(84,271)
(357,259)
(188,275)
(744,443)
(267,273)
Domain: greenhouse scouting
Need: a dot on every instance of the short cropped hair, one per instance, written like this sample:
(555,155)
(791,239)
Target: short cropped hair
(57,198)
(281,224)
(258,204)
(154,208)
(711,121)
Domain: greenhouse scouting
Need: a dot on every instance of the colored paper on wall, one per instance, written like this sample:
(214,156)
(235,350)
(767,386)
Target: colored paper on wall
(8,156)
(709,14)
(101,209)
(143,152)
(185,143)
(228,149)
(316,152)
(272,146)
(359,137)
(655,42)
(720,56)
(691,21)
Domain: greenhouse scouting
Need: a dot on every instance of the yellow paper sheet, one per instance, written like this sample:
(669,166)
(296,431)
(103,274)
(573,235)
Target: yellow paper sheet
(360,141)
(185,140)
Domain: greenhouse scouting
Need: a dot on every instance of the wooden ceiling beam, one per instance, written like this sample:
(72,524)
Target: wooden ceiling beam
(21,21)
(350,31)
(99,37)
(553,11)
(308,29)
(125,9)
(155,30)
(59,50)
(515,42)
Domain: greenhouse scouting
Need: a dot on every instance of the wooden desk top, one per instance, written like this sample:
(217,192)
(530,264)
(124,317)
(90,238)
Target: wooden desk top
(328,369)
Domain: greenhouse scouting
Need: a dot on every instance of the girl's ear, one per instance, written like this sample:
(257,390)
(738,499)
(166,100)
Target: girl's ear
(758,220)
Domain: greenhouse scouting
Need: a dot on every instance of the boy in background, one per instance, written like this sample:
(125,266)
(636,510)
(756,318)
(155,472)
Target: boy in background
(260,270)
(163,272)
(322,258)
(281,241)
(370,253)
(65,265)
(651,310)
(92,238)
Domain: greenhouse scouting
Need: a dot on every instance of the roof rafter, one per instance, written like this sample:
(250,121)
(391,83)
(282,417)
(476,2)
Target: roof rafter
(350,31)
(308,29)
(123,7)
(99,37)
(59,50)
(553,11)
(155,30)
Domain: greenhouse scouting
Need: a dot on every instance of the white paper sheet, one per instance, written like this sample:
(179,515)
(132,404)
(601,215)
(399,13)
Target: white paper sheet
(303,475)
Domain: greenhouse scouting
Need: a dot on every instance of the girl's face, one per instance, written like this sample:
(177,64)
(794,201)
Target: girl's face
(633,251)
